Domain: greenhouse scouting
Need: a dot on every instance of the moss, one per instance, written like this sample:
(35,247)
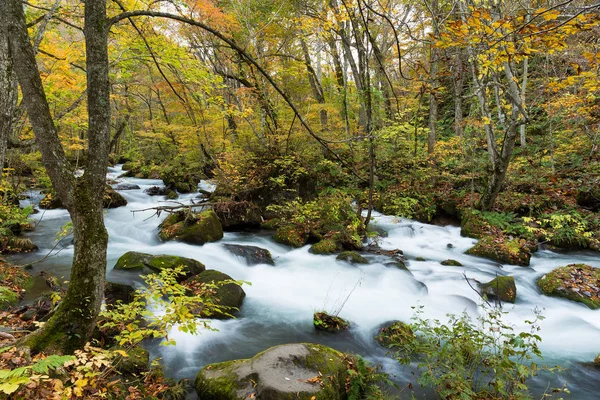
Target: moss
(191,266)
(8,298)
(290,235)
(352,257)
(172,195)
(420,259)
(396,334)
(502,288)
(133,260)
(230,296)
(235,215)
(473,225)
(113,199)
(192,228)
(451,263)
(511,251)
(597,361)
(220,388)
(329,323)
(136,362)
(272,223)
(577,282)
(325,246)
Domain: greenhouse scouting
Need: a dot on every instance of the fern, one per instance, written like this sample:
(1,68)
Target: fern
(52,362)
(11,380)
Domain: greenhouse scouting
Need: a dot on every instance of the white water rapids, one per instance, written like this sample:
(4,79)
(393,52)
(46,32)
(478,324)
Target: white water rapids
(282,298)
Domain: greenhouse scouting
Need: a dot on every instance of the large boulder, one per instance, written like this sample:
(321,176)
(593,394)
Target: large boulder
(291,235)
(236,215)
(192,228)
(252,254)
(505,250)
(502,288)
(577,282)
(299,371)
(230,296)
(114,292)
(132,260)
(325,246)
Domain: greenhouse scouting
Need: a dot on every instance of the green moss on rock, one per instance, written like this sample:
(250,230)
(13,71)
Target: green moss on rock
(511,251)
(230,296)
(501,287)
(451,263)
(136,361)
(597,361)
(577,282)
(133,260)
(396,334)
(352,257)
(329,323)
(264,375)
(290,235)
(192,228)
(8,298)
(325,246)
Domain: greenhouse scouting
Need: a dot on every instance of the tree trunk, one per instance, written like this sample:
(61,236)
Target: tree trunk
(8,93)
(458,93)
(315,85)
(71,325)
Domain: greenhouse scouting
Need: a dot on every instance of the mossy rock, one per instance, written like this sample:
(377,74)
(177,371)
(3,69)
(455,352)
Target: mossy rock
(502,288)
(352,257)
(398,263)
(472,225)
(325,246)
(172,195)
(420,259)
(192,228)
(279,373)
(597,361)
(252,254)
(136,362)
(329,323)
(272,223)
(511,251)
(8,298)
(230,296)
(395,334)
(9,243)
(113,199)
(133,260)
(114,292)
(237,215)
(451,263)
(184,187)
(577,282)
(291,235)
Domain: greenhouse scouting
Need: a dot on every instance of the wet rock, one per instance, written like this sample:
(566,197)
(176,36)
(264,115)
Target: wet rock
(329,323)
(589,198)
(252,254)
(192,228)
(238,215)
(374,248)
(172,195)
(352,257)
(394,334)
(127,186)
(133,260)
(114,292)
(157,191)
(503,249)
(229,296)
(597,361)
(420,259)
(400,264)
(449,246)
(502,288)
(291,235)
(451,263)
(300,371)
(113,199)
(577,282)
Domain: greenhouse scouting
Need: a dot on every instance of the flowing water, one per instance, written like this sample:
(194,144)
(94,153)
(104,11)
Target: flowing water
(281,299)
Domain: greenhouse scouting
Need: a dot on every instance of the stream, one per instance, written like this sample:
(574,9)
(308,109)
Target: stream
(281,300)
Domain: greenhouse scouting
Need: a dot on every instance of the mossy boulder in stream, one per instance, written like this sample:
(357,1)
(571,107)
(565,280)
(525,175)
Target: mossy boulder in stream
(112,199)
(236,215)
(502,288)
(192,228)
(395,334)
(291,235)
(352,257)
(451,263)
(506,250)
(577,282)
(325,246)
(252,254)
(329,323)
(132,260)
(597,361)
(228,296)
(298,371)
